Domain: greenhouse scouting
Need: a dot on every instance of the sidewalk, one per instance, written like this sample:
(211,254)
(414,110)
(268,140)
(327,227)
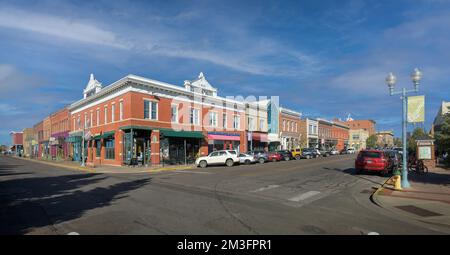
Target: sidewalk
(74,165)
(428,199)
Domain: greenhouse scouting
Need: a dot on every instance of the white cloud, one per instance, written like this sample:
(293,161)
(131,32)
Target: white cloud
(59,27)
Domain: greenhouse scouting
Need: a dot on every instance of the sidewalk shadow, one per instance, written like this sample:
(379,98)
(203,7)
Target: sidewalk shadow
(43,201)
(430,178)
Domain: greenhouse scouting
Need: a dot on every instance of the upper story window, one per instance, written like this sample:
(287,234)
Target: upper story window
(98,117)
(113,112)
(195,116)
(250,124)
(150,110)
(121,110)
(213,119)
(261,124)
(236,122)
(284,125)
(224,120)
(174,110)
(106,115)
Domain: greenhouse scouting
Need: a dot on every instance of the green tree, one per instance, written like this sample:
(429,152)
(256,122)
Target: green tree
(397,142)
(443,137)
(371,141)
(411,142)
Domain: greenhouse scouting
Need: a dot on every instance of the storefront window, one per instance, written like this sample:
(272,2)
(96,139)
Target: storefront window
(109,148)
(98,145)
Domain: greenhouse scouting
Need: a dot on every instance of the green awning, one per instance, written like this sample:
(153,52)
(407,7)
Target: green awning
(185,134)
(107,134)
(136,127)
(73,139)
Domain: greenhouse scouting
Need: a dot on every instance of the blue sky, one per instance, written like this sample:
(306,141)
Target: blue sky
(323,58)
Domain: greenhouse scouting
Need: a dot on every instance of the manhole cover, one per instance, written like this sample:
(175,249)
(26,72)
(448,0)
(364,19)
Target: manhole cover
(418,211)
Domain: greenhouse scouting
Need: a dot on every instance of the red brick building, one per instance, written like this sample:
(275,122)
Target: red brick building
(366,125)
(59,132)
(326,140)
(16,142)
(340,135)
(139,120)
(289,126)
(39,135)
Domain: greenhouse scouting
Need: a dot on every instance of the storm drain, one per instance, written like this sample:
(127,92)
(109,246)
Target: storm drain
(418,211)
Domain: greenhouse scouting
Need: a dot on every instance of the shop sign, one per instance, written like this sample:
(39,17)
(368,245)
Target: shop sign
(424,152)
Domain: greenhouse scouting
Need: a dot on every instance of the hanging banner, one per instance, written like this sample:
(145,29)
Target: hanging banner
(416,109)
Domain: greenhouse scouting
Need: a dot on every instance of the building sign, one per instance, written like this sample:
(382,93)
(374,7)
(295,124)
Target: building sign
(424,152)
(416,109)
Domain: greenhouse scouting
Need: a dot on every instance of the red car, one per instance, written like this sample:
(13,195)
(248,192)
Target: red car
(372,160)
(274,156)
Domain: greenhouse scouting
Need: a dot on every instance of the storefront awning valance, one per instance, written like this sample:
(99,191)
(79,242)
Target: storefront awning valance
(136,127)
(184,134)
(107,134)
(73,139)
(225,137)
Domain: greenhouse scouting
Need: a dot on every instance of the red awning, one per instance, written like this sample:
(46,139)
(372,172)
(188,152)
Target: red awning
(224,137)
(259,137)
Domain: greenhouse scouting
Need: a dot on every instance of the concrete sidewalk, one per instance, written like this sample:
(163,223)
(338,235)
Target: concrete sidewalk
(109,169)
(428,199)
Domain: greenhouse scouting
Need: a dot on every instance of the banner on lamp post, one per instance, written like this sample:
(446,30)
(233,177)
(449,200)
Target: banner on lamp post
(416,109)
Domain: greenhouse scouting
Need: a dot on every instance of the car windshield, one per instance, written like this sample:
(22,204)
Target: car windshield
(370,154)
(243,155)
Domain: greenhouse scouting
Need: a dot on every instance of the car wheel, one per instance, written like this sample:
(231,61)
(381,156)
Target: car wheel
(297,157)
(229,162)
(203,164)
(247,162)
(358,171)
(261,160)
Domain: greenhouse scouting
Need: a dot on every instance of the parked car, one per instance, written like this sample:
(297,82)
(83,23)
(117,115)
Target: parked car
(260,156)
(351,151)
(310,153)
(394,159)
(324,152)
(296,153)
(399,149)
(372,160)
(286,155)
(274,156)
(222,157)
(246,159)
(334,152)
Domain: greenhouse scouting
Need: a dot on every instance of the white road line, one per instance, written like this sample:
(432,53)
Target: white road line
(266,188)
(304,196)
(73,234)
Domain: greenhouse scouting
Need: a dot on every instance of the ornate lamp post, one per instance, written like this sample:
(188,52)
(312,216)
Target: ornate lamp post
(416,76)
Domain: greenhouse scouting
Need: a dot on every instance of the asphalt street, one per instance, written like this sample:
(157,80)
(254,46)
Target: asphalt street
(316,196)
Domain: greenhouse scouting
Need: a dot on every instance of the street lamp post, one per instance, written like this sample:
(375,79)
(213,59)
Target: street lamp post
(391,80)
(83,141)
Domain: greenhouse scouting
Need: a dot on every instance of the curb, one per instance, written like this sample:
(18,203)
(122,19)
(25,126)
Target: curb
(84,169)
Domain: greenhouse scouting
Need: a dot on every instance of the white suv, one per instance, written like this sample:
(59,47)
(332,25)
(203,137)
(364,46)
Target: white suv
(223,157)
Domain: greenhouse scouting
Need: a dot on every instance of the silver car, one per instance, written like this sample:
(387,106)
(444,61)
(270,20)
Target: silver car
(246,159)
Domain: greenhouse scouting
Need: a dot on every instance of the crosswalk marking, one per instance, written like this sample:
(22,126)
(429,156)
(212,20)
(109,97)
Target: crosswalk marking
(304,196)
(266,188)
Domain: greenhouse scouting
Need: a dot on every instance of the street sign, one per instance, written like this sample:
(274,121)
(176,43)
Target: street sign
(416,109)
